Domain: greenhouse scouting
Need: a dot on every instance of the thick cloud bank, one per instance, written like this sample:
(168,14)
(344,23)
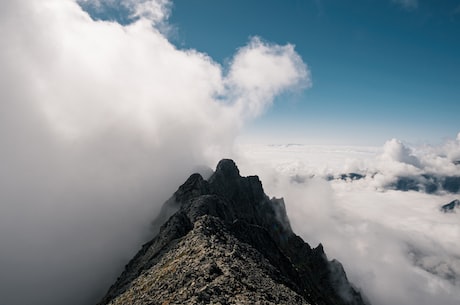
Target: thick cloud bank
(99,123)
(397,246)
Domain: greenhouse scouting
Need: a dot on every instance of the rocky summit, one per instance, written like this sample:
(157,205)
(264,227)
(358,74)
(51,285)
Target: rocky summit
(223,241)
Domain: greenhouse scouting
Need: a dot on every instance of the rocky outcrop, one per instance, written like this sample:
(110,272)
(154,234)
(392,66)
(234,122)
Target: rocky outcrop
(223,241)
(451,206)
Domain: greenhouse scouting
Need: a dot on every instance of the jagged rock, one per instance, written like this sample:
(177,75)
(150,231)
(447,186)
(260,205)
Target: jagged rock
(226,242)
(450,207)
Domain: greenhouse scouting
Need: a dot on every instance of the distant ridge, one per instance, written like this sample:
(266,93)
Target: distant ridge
(223,241)
(427,183)
(451,206)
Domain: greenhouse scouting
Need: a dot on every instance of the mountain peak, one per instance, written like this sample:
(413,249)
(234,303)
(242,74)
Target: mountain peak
(227,168)
(223,240)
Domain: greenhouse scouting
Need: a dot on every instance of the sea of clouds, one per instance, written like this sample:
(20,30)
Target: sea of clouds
(397,247)
(101,121)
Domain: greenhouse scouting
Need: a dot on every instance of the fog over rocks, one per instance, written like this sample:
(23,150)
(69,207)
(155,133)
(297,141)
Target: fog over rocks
(99,122)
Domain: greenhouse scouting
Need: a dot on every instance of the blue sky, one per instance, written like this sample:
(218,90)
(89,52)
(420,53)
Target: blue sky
(381,69)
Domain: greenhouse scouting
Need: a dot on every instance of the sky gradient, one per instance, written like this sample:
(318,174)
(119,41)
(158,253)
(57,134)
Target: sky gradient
(380,69)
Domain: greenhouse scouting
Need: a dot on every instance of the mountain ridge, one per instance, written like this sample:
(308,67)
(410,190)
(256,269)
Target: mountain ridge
(229,216)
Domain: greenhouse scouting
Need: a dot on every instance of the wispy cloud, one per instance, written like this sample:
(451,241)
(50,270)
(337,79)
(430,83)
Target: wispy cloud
(456,10)
(407,4)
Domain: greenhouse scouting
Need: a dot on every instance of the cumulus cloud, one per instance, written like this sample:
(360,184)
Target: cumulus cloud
(99,123)
(396,160)
(452,149)
(276,66)
(425,162)
(396,151)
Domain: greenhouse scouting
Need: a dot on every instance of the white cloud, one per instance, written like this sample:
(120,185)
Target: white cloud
(156,11)
(452,149)
(260,71)
(396,160)
(396,151)
(396,246)
(99,123)
(382,166)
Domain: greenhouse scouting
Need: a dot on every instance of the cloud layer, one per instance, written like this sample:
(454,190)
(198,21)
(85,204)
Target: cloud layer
(99,123)
(398,247)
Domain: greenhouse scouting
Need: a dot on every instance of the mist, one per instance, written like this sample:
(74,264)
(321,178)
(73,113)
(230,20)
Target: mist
(99,124)
(397,247)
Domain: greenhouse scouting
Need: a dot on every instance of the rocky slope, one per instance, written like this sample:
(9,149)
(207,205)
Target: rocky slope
(223,241)
(451,206)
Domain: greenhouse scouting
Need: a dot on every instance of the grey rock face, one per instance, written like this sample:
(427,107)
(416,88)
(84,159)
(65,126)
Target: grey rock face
(226,242)
(451,206)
